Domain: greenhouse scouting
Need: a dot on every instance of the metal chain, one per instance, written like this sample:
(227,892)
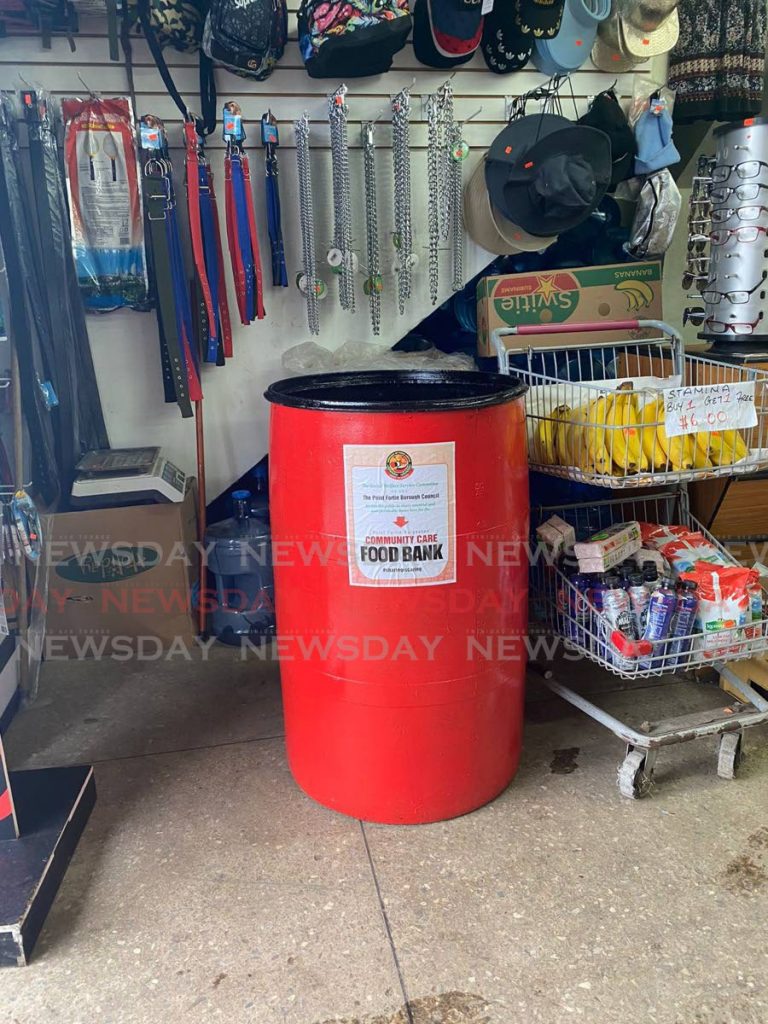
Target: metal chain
(458,154)
(307,221)
(373,282)
(401,157)
(342,196)
(434,193)
(445,102)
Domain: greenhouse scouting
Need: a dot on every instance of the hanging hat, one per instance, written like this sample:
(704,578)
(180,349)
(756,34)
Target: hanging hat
(539,17)
(655,148)
(424,48)
(457,27)
(605,114)
(647,28)
(546,173)
(571,46)
(608,53)
(505,46)
(488,228)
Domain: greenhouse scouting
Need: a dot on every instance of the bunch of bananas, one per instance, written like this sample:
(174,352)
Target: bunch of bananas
(613,435)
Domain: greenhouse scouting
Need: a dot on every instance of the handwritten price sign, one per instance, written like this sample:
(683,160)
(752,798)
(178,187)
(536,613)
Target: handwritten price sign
(709,407)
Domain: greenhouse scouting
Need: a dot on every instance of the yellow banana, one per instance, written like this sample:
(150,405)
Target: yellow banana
(700,458)
(560,417)
(597,458)
(678,450)
(724,447)
(545,442)
(736,443)
(624,434)
(654,453)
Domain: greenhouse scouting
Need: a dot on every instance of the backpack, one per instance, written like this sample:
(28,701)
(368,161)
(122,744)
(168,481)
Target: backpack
(44,16)
(176,23)
(246,36)
(351,38)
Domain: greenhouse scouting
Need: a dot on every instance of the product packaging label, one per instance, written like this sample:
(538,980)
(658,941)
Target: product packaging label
(401,514)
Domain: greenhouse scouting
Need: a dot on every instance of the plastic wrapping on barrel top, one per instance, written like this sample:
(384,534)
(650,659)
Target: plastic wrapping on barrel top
(399,505)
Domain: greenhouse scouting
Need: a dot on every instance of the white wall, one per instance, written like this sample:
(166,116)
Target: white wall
(124,344)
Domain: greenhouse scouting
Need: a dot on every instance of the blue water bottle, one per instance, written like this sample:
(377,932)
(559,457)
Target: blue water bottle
(685,617)
(658,624)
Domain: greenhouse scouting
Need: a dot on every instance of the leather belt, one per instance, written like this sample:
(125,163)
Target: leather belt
(242,235)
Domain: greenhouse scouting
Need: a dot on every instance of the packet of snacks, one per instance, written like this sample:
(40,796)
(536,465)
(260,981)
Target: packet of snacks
(724,607)
(683,548)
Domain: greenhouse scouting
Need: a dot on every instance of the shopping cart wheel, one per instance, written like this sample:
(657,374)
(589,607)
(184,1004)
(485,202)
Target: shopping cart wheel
(635,778)
(730,755)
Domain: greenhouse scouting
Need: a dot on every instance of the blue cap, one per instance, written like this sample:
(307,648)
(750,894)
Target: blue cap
(571,47)
(655,148)
(240,495)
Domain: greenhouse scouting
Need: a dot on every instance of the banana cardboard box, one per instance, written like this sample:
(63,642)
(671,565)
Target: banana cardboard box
(621,291)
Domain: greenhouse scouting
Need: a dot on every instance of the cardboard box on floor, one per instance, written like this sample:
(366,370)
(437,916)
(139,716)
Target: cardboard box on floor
(620,291)
(122,573)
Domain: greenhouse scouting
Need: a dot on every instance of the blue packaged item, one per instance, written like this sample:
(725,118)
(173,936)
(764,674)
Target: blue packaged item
(653,134)
(683,626)
(658,624)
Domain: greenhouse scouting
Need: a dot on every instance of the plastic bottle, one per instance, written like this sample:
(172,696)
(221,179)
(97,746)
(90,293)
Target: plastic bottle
(595,639)
(753,632)
(639,597)
(573,606)
(658,624)
(683,625)
(617,615)
(240,558)
(651,579)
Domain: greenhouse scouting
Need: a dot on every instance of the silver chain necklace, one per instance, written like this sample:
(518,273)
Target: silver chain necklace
(342,198)
(458,154)
(308,281)
(434,193)
(446,116)
(373,283)
(401,157)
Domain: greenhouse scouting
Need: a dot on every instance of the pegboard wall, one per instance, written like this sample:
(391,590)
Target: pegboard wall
(125,344)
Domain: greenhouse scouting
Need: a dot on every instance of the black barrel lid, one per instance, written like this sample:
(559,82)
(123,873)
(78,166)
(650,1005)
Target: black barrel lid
(395,390)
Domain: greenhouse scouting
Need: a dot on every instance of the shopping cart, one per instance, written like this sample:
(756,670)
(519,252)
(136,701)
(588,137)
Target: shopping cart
(561,380)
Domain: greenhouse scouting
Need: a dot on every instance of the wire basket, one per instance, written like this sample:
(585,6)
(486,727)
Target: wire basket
(595,414)
(558,608)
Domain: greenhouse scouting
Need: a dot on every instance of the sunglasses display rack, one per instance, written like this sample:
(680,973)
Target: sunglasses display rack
(729,216)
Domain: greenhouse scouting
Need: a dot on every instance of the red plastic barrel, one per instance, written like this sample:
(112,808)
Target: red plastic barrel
(399,510)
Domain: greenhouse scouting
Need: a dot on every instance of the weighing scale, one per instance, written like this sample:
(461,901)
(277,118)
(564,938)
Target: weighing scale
(126,476)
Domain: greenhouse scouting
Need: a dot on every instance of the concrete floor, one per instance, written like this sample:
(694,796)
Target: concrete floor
(207,886)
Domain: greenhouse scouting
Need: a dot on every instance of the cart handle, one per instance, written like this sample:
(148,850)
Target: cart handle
(580,328)
(522,330)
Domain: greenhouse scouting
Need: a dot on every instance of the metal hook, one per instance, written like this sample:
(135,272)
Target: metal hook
(85,85)
(406,88)
(473,116)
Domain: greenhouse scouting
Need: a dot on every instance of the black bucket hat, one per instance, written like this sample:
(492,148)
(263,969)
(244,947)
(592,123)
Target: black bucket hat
(424,47)
(539,17)
(547,173)
(607,116)
(505,46)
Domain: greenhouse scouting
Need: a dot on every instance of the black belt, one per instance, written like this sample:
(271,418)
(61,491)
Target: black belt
(157,198)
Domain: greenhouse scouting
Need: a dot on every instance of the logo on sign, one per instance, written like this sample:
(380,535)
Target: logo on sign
(536,298)
(108,566)
(398,465)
